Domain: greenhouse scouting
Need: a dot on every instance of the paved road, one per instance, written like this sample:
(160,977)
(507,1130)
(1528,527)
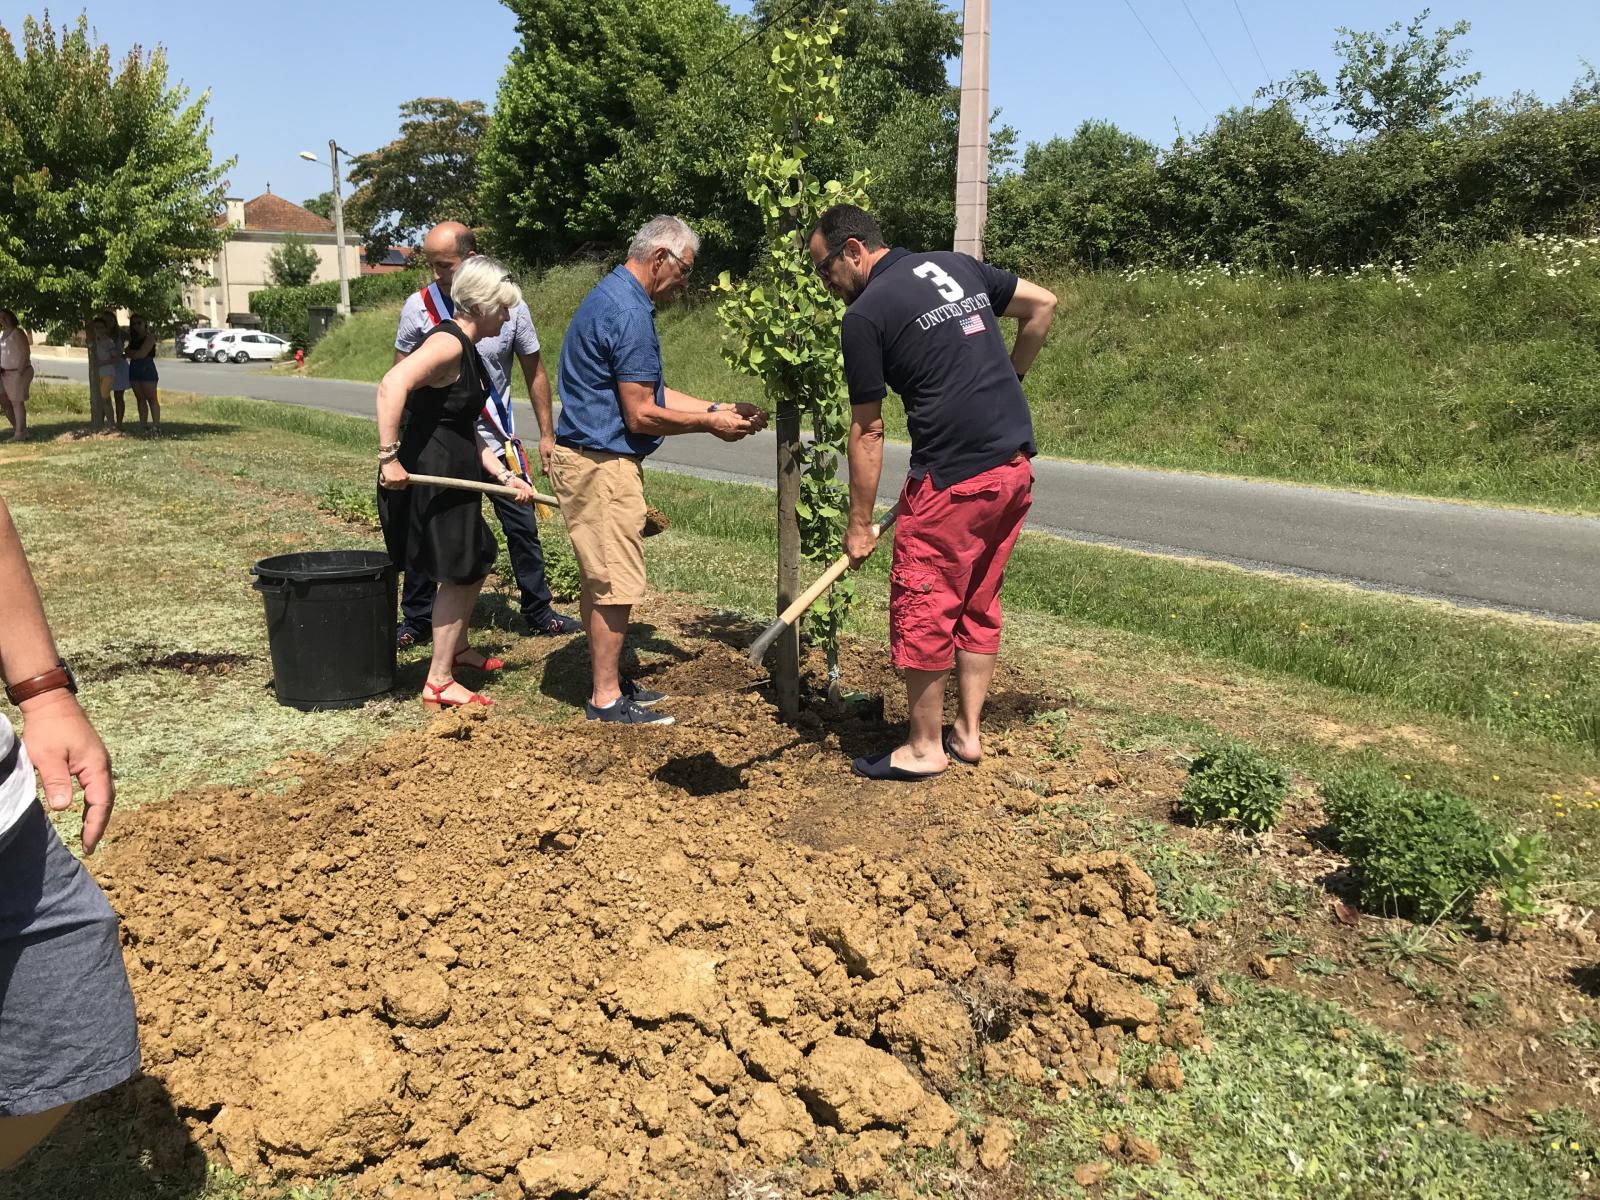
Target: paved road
(1468,554)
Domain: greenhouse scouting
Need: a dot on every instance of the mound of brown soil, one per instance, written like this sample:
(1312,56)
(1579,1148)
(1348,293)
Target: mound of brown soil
(582,961)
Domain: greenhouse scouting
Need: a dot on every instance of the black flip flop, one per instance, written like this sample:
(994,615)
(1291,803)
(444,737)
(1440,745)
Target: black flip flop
(956,754)
(878,766)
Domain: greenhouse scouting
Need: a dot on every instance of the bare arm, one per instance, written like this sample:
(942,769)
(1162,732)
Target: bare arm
(1035,307)
(434,363)
(59,738)
(864,452)
(538,381)
(682,414)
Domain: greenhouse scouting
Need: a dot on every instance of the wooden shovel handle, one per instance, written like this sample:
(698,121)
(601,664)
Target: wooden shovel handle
(474,485)
(807,598)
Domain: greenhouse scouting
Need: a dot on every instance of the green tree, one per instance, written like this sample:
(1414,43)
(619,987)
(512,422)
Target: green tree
(784,321)
(1402,78)
(564,104)
(108,190)
(669,132)
(292,264)
(321,204)
(426,175)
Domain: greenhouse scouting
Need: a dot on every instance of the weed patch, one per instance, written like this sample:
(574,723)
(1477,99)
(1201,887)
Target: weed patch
(1298,1092)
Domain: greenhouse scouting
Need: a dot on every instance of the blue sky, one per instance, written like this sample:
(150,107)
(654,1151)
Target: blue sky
(309,71)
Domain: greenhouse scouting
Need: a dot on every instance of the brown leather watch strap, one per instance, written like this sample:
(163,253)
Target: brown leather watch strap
(56,677)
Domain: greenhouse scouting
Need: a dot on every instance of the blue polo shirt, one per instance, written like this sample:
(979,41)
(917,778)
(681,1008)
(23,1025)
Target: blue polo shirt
(612,340)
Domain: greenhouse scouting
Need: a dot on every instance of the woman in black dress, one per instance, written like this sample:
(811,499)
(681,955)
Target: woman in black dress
(441,389)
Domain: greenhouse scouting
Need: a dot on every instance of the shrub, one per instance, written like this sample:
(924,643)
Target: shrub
(358,505)
(1416,853)
(1230,782)
(560,567)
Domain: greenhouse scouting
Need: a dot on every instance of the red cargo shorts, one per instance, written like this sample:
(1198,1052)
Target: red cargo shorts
(950,552)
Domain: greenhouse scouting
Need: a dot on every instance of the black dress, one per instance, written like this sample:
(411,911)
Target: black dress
(440,532)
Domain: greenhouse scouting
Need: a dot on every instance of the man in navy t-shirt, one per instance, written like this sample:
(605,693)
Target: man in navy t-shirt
(927,326)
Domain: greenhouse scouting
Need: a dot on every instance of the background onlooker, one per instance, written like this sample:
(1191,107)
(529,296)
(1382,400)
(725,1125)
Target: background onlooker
(16,373)
(106,353)
(142,372)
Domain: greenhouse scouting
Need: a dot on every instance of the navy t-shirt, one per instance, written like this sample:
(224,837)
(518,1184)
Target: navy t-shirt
(928,326)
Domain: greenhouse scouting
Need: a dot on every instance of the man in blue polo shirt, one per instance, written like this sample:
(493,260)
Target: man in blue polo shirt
(615,411)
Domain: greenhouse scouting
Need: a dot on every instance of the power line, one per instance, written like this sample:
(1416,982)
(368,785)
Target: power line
(1203,111)
(1213,53)
(1265,74)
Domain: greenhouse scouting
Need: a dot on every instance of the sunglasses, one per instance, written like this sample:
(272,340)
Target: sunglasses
(826,264)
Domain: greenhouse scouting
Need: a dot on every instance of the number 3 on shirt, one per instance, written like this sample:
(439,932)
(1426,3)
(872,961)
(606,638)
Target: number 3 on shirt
(948,287)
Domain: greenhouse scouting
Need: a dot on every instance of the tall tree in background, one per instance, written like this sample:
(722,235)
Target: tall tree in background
(321,204)
(426,175)
(108,191)
(649,106)
(292,264)
(565,101)
(1400,79)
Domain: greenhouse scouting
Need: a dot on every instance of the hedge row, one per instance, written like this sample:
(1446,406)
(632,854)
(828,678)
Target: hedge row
(284,311)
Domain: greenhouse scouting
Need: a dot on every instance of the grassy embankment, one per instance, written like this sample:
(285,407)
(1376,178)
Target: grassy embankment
(1480,382)
(1155,654)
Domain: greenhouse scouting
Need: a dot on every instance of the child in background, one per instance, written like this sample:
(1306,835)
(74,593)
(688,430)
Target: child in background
(106,354)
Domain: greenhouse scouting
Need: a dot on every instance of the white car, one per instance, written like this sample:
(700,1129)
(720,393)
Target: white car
(241,345)
(195,343)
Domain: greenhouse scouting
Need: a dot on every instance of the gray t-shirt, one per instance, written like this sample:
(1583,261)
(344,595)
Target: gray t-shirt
(499,353)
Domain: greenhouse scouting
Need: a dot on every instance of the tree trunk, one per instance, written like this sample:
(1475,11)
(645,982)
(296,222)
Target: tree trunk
(97,404)
(786,672)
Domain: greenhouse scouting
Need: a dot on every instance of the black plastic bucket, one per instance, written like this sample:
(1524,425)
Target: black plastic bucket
(330,625)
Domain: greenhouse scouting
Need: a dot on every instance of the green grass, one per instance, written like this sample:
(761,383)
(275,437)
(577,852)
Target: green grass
(1296,1099)
(1477,382)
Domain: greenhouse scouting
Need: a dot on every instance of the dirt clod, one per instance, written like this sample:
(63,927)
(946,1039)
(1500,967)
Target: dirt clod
(996,1142)
(1165,1075)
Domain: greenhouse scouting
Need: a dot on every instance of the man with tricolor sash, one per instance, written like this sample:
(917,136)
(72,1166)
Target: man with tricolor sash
(446,245)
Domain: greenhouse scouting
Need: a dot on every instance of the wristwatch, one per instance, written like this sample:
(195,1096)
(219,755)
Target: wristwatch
(58,676)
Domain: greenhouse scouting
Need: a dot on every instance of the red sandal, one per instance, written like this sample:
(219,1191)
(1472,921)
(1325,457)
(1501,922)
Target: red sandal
(490,663)
(436,701)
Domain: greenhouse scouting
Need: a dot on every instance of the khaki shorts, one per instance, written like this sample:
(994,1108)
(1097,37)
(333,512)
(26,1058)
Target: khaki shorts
(602,500)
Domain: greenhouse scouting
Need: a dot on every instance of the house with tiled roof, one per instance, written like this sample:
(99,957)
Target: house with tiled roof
(257,228)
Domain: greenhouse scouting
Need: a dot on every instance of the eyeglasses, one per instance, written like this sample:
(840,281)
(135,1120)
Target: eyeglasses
(686,267)
(826,264)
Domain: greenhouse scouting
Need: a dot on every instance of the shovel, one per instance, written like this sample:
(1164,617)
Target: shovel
(655,521)
(807,598)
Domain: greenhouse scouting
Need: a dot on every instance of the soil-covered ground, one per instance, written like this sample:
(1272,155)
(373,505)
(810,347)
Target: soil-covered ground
(546,961)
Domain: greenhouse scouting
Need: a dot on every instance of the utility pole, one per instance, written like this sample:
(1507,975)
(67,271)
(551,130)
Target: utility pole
(972,154)
(338,224)
(338,202)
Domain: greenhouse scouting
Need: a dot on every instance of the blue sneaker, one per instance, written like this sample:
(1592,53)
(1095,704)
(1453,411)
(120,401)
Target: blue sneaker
(643,697)
(408,636)
(624,711)
(554,624)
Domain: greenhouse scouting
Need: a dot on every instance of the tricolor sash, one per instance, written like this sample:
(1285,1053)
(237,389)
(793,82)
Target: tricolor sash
(498,410)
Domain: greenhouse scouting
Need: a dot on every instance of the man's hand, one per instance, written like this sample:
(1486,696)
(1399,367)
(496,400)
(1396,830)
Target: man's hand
(524,490)
(730,424)
(64,746)
(393,476)
(547,443)
(756,415)
(859,542)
